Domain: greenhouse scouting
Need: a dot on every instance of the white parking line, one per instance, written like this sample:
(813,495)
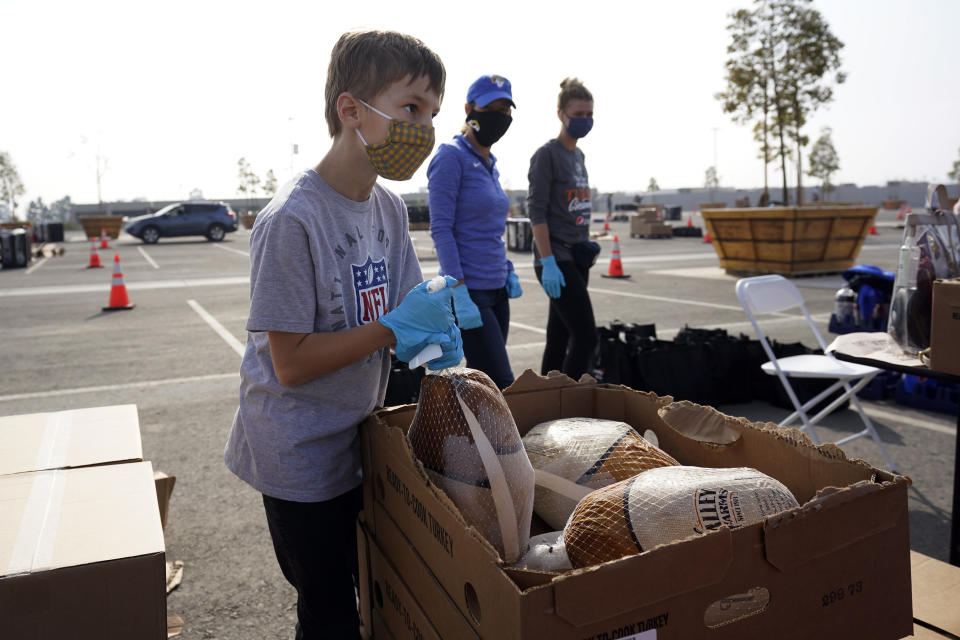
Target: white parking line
(666,257)
(131,286)
(36,266)
(219,328)
(526,346)
(643,296)
(528,327)
(116,387)
(893,419)
(243,253)
(147,257)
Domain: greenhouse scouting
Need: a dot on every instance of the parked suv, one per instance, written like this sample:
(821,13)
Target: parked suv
(211,219)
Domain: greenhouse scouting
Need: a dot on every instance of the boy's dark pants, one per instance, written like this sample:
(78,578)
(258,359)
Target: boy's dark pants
(316,545)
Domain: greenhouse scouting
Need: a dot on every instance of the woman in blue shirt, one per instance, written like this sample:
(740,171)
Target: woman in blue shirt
(468,215)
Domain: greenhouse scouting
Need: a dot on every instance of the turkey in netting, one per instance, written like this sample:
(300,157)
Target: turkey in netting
(574,456)
(667,504)
(464,435)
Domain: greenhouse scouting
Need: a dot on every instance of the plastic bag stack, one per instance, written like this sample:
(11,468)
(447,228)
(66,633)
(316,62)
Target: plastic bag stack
(574,456)
(464,435)
(664,505)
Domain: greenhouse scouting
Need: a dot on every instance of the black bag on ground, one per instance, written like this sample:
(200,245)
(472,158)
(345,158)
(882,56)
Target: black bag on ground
(616,361)
(804,388)
(727,376)
(672,369)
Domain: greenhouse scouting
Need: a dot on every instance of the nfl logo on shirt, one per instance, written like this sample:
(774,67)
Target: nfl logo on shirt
(370,286)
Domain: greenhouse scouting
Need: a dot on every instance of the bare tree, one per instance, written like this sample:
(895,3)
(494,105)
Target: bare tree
(711,181)
(11,186)
(824,161)
(784,61)
(955,172)
(270,183)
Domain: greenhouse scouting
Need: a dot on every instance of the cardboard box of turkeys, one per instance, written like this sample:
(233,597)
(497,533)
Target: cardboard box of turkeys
(836,567)
(945,327)
(69,439)
(82,554)
(383,592)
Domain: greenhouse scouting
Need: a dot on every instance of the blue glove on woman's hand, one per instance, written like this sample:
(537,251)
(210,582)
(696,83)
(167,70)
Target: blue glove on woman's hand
(452,351)
(418,319)
(551,277)
(468,315)
(514,290)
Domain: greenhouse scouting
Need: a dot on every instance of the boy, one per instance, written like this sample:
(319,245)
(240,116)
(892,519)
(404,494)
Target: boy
(331,258)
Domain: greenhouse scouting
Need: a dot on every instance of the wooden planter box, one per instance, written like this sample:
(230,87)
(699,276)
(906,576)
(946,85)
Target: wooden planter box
(894,204)
(15,225)
(93,224)
(713,205)
(788,240)
(248,219)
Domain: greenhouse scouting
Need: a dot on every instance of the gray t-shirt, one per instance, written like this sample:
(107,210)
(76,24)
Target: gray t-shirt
(559,194)
(319,262)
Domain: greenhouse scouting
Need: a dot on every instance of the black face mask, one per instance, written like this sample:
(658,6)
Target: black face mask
(488,126)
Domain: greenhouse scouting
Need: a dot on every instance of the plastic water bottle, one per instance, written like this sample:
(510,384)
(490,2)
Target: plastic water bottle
(904,290)
(845,307)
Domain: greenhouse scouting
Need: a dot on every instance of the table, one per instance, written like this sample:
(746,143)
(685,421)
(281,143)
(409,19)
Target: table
(856,348)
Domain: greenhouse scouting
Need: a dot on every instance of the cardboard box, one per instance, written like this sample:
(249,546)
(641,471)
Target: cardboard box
(69,439)
(164,486)
(404,561)
(936,594)
(646,215)
(643,228)
(393,602)
(945,327)
(810,572)
(82,555)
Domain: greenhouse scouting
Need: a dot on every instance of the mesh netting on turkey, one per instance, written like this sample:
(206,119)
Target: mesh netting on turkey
(666,504)
(574,456)
(465,436)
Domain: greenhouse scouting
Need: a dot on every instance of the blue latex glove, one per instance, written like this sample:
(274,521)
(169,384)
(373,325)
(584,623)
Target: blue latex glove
(452,351)
(514,290)
(551,278)
(422,318)
(468,315)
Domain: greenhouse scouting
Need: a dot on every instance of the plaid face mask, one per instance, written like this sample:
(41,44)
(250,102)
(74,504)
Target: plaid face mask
(407,145)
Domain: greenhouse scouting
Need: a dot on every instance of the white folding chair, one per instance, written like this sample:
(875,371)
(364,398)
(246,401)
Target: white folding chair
(774,294)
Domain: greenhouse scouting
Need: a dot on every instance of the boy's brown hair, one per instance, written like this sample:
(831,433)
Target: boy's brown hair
(367,62)
(572,89)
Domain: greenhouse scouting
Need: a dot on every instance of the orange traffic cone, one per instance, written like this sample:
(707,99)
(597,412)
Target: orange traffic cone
(606,223)
(103,239)
(94,256)
(616,266)
(900,214)
(118,291)
(873,229)
(706,237)
(690,220)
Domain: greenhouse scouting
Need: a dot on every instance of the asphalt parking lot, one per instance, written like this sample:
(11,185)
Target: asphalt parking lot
(177,354)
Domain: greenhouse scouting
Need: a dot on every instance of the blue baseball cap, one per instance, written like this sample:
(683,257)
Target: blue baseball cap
(486,89)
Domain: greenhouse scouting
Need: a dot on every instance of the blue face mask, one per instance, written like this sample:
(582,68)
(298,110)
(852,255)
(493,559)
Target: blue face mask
(579,127)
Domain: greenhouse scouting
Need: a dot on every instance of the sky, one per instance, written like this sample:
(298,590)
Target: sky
(170,95)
